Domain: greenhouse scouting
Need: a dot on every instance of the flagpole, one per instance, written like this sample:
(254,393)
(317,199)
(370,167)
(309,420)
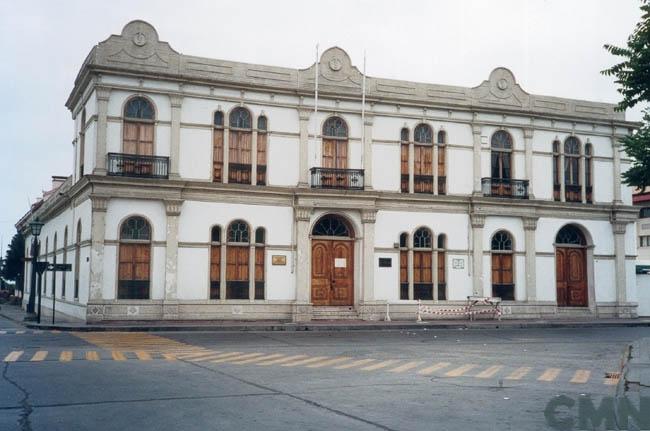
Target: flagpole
(316,73)
(363,110)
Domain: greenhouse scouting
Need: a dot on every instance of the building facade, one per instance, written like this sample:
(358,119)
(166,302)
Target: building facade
(209,189)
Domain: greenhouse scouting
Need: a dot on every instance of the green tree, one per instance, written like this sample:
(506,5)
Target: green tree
(13,264)
(633,77)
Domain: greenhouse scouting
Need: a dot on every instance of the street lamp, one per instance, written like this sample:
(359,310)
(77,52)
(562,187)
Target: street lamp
(35,228)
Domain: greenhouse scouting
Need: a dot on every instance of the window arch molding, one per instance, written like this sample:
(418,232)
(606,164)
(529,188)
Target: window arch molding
(335,127)
(124,219)
(423,238)
(134,98)
(573,235)
(423,134)
(501,235)
(339,225)
(218,118)
(241,230)
(242,117)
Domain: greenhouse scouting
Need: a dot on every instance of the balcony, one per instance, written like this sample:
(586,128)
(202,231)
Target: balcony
(572,193)
(239,173)
(504,188)
(330,178)
(135,165)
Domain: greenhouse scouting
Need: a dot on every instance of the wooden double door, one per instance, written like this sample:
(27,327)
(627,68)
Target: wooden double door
(571,276)
(332,272)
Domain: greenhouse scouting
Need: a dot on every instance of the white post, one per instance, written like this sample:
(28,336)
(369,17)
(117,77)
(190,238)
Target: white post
(419,319)
(387,318)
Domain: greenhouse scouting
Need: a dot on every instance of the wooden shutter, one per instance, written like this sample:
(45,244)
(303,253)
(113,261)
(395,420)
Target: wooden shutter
(237,263)
(134,262)
(441,161)
(441,267)
(239,153)
(404,167)
(341,154)
(217,156)
(502,268)
(329,153)
(261,158)
(215,263)
(422,267)
(259,263)
(145,144)
(131,134)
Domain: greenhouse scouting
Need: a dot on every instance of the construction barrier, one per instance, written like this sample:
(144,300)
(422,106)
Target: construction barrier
(468,310)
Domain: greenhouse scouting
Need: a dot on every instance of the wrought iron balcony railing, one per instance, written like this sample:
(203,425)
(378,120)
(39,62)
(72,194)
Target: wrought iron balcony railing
(572,193)
(330,178)
(239,173)
(135,165)
(504,188)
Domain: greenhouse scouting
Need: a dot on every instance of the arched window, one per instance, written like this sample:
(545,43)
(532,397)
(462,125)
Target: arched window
(501,155)
(138,127)
(77,261)
(588,173)
(65,261)
(134,272)
(442,267)
(332,225)
(54,251)
(82,142)
(262,142)
(422,264)
(215,262)
(442,161)
(334,153)
(572,187)
(403,266)
(239,147)
(423,159)
(260,241)
(237,261)
(503,285)
(557,188)
(404,160)
(570,235)
(217,147)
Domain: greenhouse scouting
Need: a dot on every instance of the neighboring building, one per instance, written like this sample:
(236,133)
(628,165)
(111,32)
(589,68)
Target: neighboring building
(200,192)
(642,202)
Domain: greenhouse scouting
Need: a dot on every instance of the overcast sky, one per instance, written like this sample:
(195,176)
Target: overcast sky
(554,47)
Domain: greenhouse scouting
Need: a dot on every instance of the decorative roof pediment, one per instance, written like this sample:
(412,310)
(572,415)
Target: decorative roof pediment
(501,89)
(335,72)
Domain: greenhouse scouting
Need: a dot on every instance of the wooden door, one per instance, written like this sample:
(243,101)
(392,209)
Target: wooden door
(133,271)
(237,272)
(404,168)
(332,272)
(138,139)
(423,169)
(335,156)
(239,157)
(571,277)
(502,276)
(422,275)
(217,156)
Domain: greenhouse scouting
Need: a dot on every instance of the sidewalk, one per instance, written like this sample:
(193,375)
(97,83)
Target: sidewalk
(16,314)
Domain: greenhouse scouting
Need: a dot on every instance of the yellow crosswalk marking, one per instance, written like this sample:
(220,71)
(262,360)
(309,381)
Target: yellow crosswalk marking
(39,356)
(611,381)
(118,356)
(353,364)
(258,359)
(169,357)
(457,372)
(380,365)
(328,362)
(92,356)
(213,357)
(519,373)
(230,358)
(194,355)
(489,372)
(433,368)
(13,356)
(282,360)
(142,355)
(549,375)
(65,356)
(581,376)
(304,361)
(406,367)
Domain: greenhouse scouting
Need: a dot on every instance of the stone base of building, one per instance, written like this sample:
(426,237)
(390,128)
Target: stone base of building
(367,311)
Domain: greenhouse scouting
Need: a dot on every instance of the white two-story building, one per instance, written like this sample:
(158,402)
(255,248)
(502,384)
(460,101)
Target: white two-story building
(210,189)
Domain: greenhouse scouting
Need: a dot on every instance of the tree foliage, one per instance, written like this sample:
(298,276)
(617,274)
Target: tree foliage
(637,146)
(13,264)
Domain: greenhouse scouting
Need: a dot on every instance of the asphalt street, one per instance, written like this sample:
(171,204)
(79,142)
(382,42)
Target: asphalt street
(363,380)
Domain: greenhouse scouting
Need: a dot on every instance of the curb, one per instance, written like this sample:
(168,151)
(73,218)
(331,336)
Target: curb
(297,327)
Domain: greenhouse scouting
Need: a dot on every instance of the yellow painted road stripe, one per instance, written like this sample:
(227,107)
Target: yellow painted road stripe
(519,373)
(39,356)
(92,356)
(118,356)
(354,364)
(380,365)
(65,356)
(549,375)
(13,356)
(258,359)
(169,357)
(610,381)
(406,367)
(581,376)
(219,356)
(328,362)
(433,368)
(304,361)
(234,358)
(193,355)
(282,360)
(142,355)
(457,372)
(489,372)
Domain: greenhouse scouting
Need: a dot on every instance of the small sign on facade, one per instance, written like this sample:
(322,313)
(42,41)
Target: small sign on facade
(385,262)
(278,259)
(340,262)
(458,263)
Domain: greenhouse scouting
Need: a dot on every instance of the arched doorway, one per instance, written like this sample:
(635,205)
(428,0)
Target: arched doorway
(332,262)
(571,267)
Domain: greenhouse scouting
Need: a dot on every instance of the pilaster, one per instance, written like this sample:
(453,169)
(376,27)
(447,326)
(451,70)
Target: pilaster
(616,151)
(618,229)
(302,217)
(174,149)
(103,94)
(530,228)
(173,211)
(368,218)
(476,135)
(97,236)
(303,148)
(478,222)
(528,143)
(367,152)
